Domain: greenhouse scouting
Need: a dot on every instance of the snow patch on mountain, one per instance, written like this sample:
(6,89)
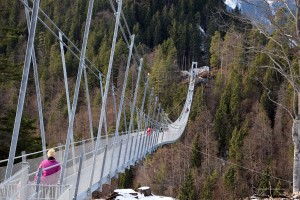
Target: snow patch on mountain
(231,3)
(202,30)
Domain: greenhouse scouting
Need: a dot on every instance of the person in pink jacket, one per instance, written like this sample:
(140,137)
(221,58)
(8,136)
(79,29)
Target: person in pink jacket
(51,161)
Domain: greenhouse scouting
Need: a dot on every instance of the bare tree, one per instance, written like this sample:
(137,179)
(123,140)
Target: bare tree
(281,27)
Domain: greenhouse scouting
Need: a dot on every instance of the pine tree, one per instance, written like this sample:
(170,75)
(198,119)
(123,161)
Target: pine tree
(221,125)
(163,73)
(56,70)
(187,188)
(235,99)
(198,103)
(28,140)
(271,86)
(126,179)
(265,181)
(215,50)
(196,158)
(207,191)
(230,178)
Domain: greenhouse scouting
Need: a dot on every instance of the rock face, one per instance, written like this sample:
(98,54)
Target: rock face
(146,191)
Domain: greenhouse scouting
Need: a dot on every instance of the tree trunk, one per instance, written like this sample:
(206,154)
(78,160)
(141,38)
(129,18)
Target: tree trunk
(296,168)
(297,3)
(296,123)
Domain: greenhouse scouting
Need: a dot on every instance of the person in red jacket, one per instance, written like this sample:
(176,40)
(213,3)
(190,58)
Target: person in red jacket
(149,131)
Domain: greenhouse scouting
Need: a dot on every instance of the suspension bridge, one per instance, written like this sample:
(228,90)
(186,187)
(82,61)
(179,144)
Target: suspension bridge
(88,164)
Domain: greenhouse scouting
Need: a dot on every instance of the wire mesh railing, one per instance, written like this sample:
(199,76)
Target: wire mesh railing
(45,192)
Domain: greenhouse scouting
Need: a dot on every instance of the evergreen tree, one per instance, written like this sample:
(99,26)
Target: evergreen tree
(28,141)
(196,158)
(265,182)
(215,50)
(126,179)
(207,191)
(230,177)
(55,68)
(235,99)
(271,87)
(163,71)
(187,188)
(221,125)
(198,103)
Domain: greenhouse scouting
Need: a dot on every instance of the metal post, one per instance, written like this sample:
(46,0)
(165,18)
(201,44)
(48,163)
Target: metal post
(124,88)
(107,84)
(143,135)
(103,166)
(147,118)
(141,113)
(67,94)
(77,86)
(140,145)
(112,156)
(105,123)
(88,104)
(23,88)
(38,181)
(83,150)
(130,148)
(37,87)
(24,177)
(78,177)
(133,107)
(125,122)
(162,137)
(114,99)
(117,125)
(158,127)
(121,144)
(60,152)
(152,127)
(136,139)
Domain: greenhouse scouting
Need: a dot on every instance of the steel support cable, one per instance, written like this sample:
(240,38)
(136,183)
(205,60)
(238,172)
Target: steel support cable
(23,88)
(72,44)
(59,30)
(128,30)
(122,30)
(129,103)
(76,48)
(124,35)
(57,37)
(112,53)
(77,85)
(134,46)
(153,121)
(65,45)
(37,85)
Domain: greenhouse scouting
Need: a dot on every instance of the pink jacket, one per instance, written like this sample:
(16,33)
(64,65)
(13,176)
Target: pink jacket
(48,163)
